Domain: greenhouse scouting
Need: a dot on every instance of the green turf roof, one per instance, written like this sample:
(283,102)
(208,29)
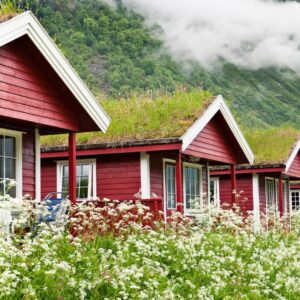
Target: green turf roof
(7,10)
(273,145)
(142,118)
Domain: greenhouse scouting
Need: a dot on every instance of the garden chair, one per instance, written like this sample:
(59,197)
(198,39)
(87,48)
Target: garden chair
(52,210)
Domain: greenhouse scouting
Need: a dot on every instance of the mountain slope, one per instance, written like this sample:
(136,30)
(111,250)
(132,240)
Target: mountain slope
(114,51)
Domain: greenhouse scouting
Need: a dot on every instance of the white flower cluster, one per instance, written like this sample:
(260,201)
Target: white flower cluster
(119,251)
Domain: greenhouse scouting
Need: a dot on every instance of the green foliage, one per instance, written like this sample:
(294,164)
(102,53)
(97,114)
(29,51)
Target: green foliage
(272,145)
(146,118)
(114,51)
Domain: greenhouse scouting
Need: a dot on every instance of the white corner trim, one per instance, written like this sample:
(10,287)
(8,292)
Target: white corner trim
(217,105)
(256,207)
(37,165)
(145,175)
(19,158)
(27,24)
(292,156)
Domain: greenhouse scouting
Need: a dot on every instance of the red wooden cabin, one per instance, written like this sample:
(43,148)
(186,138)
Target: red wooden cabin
(175,169)
(264,186)
(40,94)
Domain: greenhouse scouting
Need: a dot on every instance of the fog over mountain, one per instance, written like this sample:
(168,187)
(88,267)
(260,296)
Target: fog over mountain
(248,33)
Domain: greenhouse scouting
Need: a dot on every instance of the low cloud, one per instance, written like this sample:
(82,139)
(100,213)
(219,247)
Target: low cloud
(248,33)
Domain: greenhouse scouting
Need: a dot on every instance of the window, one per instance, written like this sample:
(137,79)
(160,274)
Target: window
(10,162)
(170,185)
(285,190)
(295,199)
(214,194)
(85,179)
(192,183)
(270,193)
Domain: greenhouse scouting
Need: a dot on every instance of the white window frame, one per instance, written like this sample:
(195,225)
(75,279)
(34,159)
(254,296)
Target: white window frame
(285,191)
(291,206)
(275,200)
(217,200)
(19,159)
(199,167)
(92,186)
(170,161)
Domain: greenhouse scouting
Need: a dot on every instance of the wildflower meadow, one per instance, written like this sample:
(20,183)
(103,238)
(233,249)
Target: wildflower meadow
(122,251)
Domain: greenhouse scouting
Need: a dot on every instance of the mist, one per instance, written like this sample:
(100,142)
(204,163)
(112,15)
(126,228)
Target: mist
(248,33)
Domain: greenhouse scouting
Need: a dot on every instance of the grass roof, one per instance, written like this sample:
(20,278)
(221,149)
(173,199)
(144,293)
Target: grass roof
(141,118)
(272,145)
(7,10)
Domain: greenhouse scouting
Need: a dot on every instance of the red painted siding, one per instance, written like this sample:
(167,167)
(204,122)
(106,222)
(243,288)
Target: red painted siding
(217,143)
(118,176)
(29,163)
(31,91)
(295,167)
(156,174)
(48,177)
(244,190)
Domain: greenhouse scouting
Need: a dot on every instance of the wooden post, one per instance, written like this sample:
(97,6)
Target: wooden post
(233,183)
(179,201)
(72,167)
(280,194)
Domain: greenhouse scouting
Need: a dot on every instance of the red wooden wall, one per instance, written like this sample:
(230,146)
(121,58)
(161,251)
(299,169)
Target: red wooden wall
(295,167)
(31,91)
(217,143)
(29,163)
(244,189)
(118,176)
(48,177)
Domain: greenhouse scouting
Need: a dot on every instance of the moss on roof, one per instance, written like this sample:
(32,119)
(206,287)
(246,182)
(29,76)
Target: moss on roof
(145,118)
(8,10)
(272,145)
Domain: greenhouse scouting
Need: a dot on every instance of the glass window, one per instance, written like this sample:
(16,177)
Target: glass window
(84,180)
(295,198)
(214,191)
(285,190)
(170,182)
(192,187)
(271,194)
(7,163)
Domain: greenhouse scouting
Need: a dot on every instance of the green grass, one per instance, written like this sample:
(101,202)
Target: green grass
(272,145)
(8,10)
(146,118)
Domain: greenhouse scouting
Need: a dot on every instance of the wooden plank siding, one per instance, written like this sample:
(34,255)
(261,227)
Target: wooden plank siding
(216,143)
(294,169)
(28,156)
(244,190)
(118,176)
(31,91)
(48,177)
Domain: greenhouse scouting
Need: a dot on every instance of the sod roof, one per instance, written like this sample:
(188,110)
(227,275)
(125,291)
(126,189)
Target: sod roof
(7,11)
(144,118)
(273,145)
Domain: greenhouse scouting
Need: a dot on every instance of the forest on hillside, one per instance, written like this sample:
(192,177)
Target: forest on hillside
(117,55)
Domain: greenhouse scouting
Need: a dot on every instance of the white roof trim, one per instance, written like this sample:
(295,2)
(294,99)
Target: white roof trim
(27,24)
(292,156)
(217,105)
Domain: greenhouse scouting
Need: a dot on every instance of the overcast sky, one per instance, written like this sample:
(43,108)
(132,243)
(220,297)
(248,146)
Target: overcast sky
(248,33)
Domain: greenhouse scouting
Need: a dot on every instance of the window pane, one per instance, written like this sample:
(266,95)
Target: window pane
(65,171)
(10,168)
(1,145)
(2,167)
(83,193)
(10,146)
(85,170)
(65,183)
(84,181)
(170,186)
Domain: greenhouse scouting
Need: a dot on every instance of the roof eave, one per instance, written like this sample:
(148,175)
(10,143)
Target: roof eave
(292,156)
(218,105)
(27,24)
